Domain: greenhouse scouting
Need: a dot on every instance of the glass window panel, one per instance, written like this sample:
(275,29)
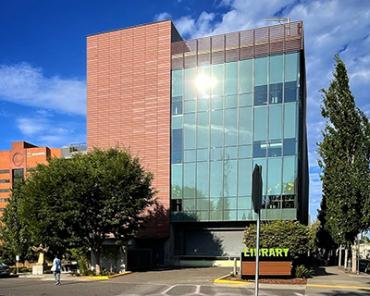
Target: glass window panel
(203,81)
(262,162)
(190,91)
(260,123)
(217,103)
(203,215)
(245,151)
(189,131)
(190,155)
(231,78)
(202,154)
(216,204)
(177,81)
(275,122)
(245,215)
(230,203)
(246,76)
(176,153)
(245,125)
(245,177)
(217,128)
(203,104)
(276,68)
(230,178)
(177,122)
(260,71)
(231,128)
(215,215)
(189,180)
(274,176)
(216,153)
(290,91)
(231,152)
(176,180)
(189,106)
(176,107)
(274,148)
(289,175)
(260,95)
(203,130)
(202,204)
(276,93)
(288,202)
(202,179)
(291,67)
(290,122)
(218,80)
(188,204)
(244,202)
(231,101)
(289,147)
(246,99)
(216,178)
(260,149)
(230,215)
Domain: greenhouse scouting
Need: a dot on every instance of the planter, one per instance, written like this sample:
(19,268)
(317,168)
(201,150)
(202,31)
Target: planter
(267,268)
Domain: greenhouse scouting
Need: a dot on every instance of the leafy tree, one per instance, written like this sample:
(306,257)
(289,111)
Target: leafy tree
(79,202)
(280,234)
(345,152)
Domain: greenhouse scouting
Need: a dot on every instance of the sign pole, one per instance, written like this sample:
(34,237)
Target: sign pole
(257,254)
(257,203)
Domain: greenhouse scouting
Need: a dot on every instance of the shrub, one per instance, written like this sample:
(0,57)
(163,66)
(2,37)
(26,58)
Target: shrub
(302,271)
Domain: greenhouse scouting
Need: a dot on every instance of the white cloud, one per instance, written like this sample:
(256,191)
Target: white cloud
(44,129)
(162,16)
(27,85)
(331,27)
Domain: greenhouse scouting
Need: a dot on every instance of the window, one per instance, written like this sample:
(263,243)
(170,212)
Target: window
(189,180)
(260,123)
(276,93)
(290,121)
(274,176)
(189,106)
(190,91)
(231,101)
(288,201)
(274,148)
(203,130)
(190,156)
(231,127)
(260,95)
(18,176)
(289,175)
(245,151)
(203,104)
(217,128)
(4,181)
(216,179)
(273,202)
(259,149)
(275,122)
(289,147)
(276,69)
(176,181)
(230,178)
(218,78)
(4,171)
(177,80)
(246,99)
(4,190)
(189,131)
(245,126)
(244,177)
(260,71)
(291,67)
(177,145)
(246,76)
(231,78)
(290,91)
(202,180)
(176,107)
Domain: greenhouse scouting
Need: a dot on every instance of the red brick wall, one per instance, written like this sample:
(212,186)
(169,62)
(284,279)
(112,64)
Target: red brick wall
(128,99)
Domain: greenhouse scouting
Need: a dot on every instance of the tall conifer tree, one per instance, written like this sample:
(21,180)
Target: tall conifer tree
(344,152)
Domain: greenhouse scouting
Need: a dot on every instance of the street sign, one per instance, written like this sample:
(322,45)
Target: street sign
(257,188)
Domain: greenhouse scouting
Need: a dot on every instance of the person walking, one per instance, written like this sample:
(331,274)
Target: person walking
(56,269)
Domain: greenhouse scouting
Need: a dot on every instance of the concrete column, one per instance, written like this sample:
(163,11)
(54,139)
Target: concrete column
(340,256)
(354,259)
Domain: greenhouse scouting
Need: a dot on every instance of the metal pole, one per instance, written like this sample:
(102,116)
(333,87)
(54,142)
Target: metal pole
(257,253)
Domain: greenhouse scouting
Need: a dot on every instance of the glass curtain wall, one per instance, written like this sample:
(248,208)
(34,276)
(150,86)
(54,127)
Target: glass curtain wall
(225,119)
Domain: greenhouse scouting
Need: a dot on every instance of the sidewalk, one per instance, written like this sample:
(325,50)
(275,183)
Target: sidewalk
(333,278)
(70,277)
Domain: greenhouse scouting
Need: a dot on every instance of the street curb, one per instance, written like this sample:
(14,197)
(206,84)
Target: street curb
(102,277)
(338,287)
(222,280)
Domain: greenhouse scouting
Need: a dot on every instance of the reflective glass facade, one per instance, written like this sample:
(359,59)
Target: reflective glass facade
(227,117)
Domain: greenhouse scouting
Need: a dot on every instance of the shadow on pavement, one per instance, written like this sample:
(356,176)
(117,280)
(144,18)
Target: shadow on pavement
(343,293)
(321,271)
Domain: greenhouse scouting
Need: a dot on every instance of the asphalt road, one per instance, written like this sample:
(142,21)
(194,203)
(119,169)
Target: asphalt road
(187,282)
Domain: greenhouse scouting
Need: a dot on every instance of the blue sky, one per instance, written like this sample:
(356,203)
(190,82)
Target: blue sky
(43,56)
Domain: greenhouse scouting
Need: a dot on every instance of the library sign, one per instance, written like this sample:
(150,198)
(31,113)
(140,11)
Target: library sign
(266,252)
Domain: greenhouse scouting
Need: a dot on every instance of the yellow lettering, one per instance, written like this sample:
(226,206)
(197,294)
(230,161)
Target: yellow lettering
(279,252)
(286,252)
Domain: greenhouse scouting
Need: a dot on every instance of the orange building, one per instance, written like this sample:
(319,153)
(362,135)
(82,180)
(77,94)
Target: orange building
(18,162)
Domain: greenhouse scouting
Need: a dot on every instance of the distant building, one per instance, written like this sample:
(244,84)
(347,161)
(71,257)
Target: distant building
(17,163)
(200,114)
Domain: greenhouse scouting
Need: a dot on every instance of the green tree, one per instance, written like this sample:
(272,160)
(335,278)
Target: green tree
(344,152)
(79,202)
(280,234)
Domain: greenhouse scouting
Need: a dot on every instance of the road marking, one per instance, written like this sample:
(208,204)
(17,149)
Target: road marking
(338,286)
(222,280)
